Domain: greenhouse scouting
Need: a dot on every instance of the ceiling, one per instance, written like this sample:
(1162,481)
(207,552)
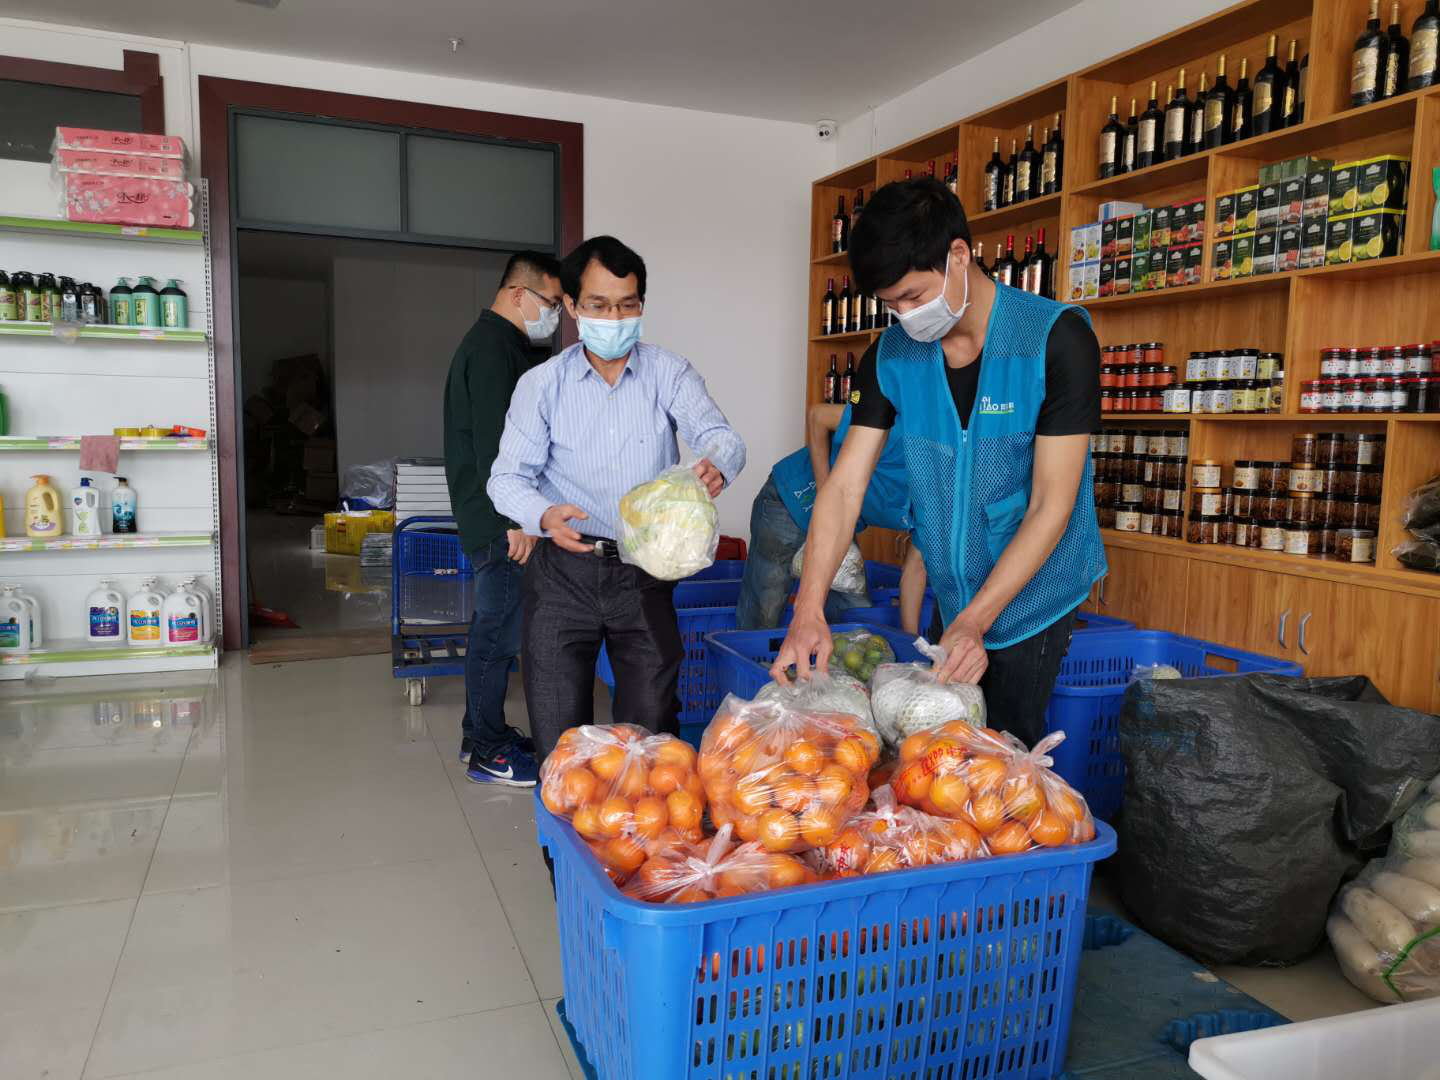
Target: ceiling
(799,60)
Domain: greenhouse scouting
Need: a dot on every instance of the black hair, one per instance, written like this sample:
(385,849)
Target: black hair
(526,267)
(611,254)
(907,225)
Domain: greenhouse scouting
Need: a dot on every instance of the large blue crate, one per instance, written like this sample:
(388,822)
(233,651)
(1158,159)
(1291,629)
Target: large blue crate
(434,578)
(881,575)
(1090,693)
(720,570)
(1088,621)
(950,971)
(741,659)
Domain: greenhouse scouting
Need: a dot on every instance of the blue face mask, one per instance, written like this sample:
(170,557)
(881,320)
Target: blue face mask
(610,339)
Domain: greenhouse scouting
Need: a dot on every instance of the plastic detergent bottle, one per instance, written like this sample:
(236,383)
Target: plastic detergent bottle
(142,615)
(104,614)
(34,630)
(122,304)
(174,306)
(122,507)
(43,518)
(147,302)
(14,621)
(85,509)
(183,618)
(207,607)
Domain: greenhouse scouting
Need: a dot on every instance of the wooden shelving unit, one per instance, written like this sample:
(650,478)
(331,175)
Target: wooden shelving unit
(1381,619)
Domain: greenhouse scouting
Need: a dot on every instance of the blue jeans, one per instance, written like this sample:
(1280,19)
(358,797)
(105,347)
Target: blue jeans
(493,644)
(775,537)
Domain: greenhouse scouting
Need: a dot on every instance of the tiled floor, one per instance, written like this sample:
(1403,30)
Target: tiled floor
(281,872)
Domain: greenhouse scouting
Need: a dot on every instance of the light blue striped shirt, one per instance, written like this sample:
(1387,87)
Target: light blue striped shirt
(570,437)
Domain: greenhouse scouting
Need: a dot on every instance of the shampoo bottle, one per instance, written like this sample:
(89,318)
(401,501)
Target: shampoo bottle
(43,518)
(122,507)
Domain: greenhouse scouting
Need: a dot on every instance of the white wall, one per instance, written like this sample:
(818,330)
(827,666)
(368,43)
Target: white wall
(1074,39)
(718,205)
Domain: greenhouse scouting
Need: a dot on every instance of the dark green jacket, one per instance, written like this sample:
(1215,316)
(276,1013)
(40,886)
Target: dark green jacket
(489,362)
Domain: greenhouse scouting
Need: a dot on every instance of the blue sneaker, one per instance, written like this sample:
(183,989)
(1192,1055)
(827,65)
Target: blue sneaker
(509,766)
(467,746)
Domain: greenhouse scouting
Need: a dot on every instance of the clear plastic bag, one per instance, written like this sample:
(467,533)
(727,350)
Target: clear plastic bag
(907,698)
(716,868)
(822,692)
(1422,511)
(369,487)
(1385,926)
(669,526)
(1155,671)
(988,779)
(621,787)
(1418,553)
(788,778)
(859,653)
(896,837)
(850,578)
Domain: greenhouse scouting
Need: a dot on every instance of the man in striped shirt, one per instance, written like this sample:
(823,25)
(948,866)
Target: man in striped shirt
(582,430)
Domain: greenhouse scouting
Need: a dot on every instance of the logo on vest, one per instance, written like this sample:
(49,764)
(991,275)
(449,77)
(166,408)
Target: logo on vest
(996,408)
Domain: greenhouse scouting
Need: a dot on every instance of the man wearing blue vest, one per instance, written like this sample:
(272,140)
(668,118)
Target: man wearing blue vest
(997,391)
(780,515)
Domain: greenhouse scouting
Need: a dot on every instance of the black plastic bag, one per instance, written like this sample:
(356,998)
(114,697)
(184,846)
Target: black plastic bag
(1248,800)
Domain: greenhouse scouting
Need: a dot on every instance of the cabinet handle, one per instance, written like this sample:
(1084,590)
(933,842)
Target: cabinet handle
(1104,579)
(1304,622)
(1284,619)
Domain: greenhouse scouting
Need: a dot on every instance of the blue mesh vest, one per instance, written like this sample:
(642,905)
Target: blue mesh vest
(887,499)
(969,489)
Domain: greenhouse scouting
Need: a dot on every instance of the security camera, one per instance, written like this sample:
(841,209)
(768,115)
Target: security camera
(825,129)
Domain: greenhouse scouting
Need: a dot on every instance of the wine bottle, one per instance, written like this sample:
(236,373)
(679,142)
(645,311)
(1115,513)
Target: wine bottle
(1367,62)
(1195,122)
(848,379)
(1022,271)
(1240,108)
(1425,48)
(1290,103)
(831,390)
(1132,136)
(1304,84)
(1112,137)
(1176,114)
(857,206)
(1006,267)
(1147,146)
(839,229)
(827,309)
(872,313)
(1027,175)
(994,179)
(980,259)
(1011,167)
(909,174)
(843,308)
(1053,163)
(1218,108)
(1397,60)
(1042,274)
(1269,93)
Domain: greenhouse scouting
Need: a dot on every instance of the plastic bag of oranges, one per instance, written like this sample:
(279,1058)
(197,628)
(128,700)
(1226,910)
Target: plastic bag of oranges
(787,778)
(686,873)
(822,692)
(622,787)
(896,837)
(988,779)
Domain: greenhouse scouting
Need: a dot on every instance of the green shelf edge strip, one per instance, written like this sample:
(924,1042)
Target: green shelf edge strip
(83,656)
(60,227)
(20,443)
(20,544)
(106,333)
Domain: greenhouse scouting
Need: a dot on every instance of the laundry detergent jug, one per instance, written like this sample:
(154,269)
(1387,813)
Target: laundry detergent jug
(104,614)
(43,519)
(207,607)
(183,618)
(37,637)
(143,615)
(14,621)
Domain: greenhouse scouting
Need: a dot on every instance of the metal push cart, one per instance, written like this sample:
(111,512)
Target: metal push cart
(432,599)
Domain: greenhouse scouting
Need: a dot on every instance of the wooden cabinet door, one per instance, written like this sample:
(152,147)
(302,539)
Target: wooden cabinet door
(1351,630)
(1238,607)
(1145,587)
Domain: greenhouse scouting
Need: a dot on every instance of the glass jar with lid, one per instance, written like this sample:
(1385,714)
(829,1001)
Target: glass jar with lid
(1208,502)
(1422,395)
(1246,476)
(1309,396)
(1178,440)
(1332,395)
(1355,545)
(1272,535)
(1274,476)
(1418,360)
(1127,517)
(1205,473)
(1301,538)
(1276,398)
(1204,530)
(1393,360)
(1333,364)
(1352,395)
(1364,449)
(1372,362)
(1169,522)
(1270,507)
(1302,507)
(1369,480)
(1305,448)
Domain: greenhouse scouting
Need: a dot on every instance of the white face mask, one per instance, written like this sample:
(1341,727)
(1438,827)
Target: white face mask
(933,319)
(543,328)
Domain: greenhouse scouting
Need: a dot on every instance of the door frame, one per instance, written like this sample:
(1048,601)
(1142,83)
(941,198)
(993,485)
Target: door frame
(139,77)
(217,97)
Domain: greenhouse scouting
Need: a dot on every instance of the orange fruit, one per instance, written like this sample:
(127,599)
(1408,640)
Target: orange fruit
(747,827)
(871,741)
(651,816)
(853,754)
(987,812)
(785,871)
(752,794)
(793,793)
(1022,797)
(552,796)
(623,853)
(957,727)
(779,831)
(1066,802)
(949,794)
(850,851)
(914,746)
(608,762)
(666,777)
(691,894)
(1050,829)
(912,783)
(1009,839)
(883,861)
(695,786)
(677,753)
(633,781)
(580,786)
(615,814)
(819,825)
(881,774)
(944,754)
(804,757)
(684,809)
(964,842)
(725,733)
(587,822)
(834,785)
(985,773)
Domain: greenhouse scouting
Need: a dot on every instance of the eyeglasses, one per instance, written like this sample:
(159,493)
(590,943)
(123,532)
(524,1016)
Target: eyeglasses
(603,309)
(546,304)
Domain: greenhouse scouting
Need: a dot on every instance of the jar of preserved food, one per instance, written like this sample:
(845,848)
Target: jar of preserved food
(1167,376)
(1240,531)
(1221,400)
(1194,367)
(1306,478)
(1117,440)
(1399,396)
(1302,506)
(1150,497)
(1127,517)
(1204,530)
(1205,473)
(1301,538)
(1138,440)
(1207,367)
(1108,378)
(1132,469)
(1147,374)
(1365,449)
(1352,395)
(1172,472)
(1386,399)
(1418,360)
(1372,514)
(1342,480)
(1327,508)
(1176,399)
(1326,544)
(1276,401)
(1393,360)
(1309,396)
(1372,362)
(1105,515)
(1137,353)
(1148,467)
(1200,398)
(1422,395)
(1242,504)
(1179,442)
(1242,395)
(1271,507)
(1130,376)
(1153,352)
(1147,522)
(1105,492)
(1332,396)
(1150,399)
(1272,536)
(1133,492)
(1305,448)
(1355,545)
(1329,450)
(1227,530)
(1333,364)
(1207,502)
(1172,498)
(1369,481)
(1221,367)
(1246,476)
(1168,523)
(1246,363)
(1107,400)
(1130,400)
(1274,476)
(1352,363)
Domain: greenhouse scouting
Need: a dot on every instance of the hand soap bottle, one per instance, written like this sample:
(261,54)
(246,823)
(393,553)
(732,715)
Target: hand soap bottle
(85,509)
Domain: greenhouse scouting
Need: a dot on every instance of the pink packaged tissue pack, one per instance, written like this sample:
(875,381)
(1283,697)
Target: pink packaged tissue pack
(106,163)
(119,142)
(129,200)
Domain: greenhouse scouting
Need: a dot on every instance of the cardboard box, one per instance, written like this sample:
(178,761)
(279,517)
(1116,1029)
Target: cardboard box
(1125,235)
(1344,189)
(1270,174)
(1382,183)
(1075,288)
(1180,224)
(1108,232)
(1317,192)
(1197,221)
(1194,262)
(1092,242)
(1140,272)
(1122,275)
(1220,256)
(1377,234)
(1247,209)
(1339,234)
(1160,228)
(1143,223)
(1301,166)
(1107,277)
(1292,201)
(1242,255)
(1264,259)
(1312,241)
(1175,268)
(1077,244)
(1267,207)
(1115,209)
(1225,215)
(319,455)
(1287,248)
(1092,280)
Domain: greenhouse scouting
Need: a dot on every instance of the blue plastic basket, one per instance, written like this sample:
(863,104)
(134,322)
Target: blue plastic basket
(958,970)
(1087,622)
(741,659)
(881,575)
(433,575)
(720,570)
(1090,692)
